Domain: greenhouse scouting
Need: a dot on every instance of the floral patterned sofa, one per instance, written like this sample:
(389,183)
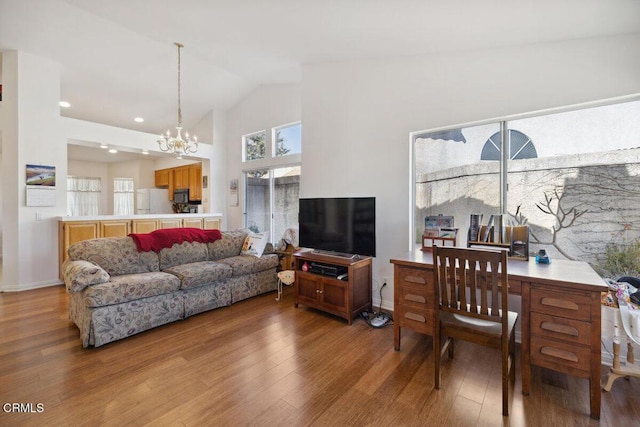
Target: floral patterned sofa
(116,291)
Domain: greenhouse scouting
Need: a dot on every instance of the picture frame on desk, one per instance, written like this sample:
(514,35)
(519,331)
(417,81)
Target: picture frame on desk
(438,221)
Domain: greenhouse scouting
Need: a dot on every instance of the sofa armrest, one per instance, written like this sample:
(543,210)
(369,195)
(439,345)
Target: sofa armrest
(80,274)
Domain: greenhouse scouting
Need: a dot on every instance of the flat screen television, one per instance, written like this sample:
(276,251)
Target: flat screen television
(342,225)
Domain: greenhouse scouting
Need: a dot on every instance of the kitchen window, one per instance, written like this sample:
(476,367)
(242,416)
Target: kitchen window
(83,196)
(123,196)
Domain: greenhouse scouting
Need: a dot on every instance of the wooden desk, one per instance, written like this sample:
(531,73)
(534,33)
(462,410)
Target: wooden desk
(560,319)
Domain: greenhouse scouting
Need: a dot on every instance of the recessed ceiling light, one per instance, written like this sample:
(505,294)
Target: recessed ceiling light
(138,120)
(145,152)
(103,145)
(113,150)
(64,104)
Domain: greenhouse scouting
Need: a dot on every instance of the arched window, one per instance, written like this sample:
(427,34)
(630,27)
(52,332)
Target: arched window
(521,147)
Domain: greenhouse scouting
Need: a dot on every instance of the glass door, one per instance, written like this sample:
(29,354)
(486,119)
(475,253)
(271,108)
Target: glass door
(271,201)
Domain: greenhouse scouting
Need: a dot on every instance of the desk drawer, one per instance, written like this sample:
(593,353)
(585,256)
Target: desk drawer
(420,297)
(571,305)
(415,319)
(515,287)
(559,328)
(414,277)
(556,355)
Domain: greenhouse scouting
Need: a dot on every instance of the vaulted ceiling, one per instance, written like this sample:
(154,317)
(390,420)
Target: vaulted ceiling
(118,59)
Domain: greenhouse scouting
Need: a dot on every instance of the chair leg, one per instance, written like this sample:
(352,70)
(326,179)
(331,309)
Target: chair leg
(436,360)
(512,352)
(505,396)
(505,377)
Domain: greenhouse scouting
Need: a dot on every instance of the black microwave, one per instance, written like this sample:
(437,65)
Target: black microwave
(181,196)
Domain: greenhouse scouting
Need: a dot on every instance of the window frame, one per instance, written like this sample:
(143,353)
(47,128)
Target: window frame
(413,136)
(245,150)
(274,139)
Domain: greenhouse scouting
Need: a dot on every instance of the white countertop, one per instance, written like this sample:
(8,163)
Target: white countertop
(150,216)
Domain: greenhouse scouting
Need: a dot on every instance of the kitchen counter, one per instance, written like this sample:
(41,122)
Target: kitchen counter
(131,217)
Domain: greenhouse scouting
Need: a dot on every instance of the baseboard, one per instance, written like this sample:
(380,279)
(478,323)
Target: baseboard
(19,288)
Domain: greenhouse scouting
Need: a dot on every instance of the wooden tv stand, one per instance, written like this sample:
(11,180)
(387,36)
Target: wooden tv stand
(345,298)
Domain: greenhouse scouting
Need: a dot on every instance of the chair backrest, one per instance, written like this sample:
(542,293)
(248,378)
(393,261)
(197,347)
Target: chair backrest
(468,282)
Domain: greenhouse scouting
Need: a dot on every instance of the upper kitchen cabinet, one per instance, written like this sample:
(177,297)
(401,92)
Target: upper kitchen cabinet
(162,178)
(180,178)
(195,181)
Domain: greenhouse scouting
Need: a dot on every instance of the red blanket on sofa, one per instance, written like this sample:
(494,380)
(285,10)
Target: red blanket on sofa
(167,237)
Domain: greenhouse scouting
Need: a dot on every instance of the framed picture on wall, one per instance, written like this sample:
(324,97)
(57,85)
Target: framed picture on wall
(41,175)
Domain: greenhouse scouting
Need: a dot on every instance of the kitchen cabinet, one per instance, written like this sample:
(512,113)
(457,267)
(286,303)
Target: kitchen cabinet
(144,225)
(120,228)
(181,178)
(73,232)
(169,223)
(211,223)
(172,186)
(195,182)
(162,178)
(192,222)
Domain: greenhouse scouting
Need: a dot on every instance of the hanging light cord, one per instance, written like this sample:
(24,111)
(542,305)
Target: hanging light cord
(180,46)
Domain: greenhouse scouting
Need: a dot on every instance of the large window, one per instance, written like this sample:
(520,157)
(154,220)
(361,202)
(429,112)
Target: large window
(572,177)
(83,196)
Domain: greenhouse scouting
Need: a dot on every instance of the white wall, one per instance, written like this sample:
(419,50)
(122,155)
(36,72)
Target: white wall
(265,108)
(215,196)
(357,115)
(31,134)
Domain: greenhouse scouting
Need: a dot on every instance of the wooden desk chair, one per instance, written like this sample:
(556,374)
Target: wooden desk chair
(472,308)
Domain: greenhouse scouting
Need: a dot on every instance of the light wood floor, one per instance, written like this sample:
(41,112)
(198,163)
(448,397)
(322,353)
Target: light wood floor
(265,363)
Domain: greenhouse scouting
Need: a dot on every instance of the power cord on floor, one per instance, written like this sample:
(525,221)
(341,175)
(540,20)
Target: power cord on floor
(379,319)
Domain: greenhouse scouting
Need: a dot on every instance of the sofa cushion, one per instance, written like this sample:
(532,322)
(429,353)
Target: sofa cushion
(230,245)
(130,287)
(198,274)
(247,264)
(183,253)
(116,255)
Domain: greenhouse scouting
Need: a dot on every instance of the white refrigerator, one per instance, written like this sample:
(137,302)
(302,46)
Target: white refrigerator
(153,201)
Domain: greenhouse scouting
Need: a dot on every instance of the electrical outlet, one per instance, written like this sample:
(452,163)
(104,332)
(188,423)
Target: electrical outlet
(385,281)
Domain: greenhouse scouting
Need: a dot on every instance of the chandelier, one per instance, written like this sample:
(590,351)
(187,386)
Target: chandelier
(178,145)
